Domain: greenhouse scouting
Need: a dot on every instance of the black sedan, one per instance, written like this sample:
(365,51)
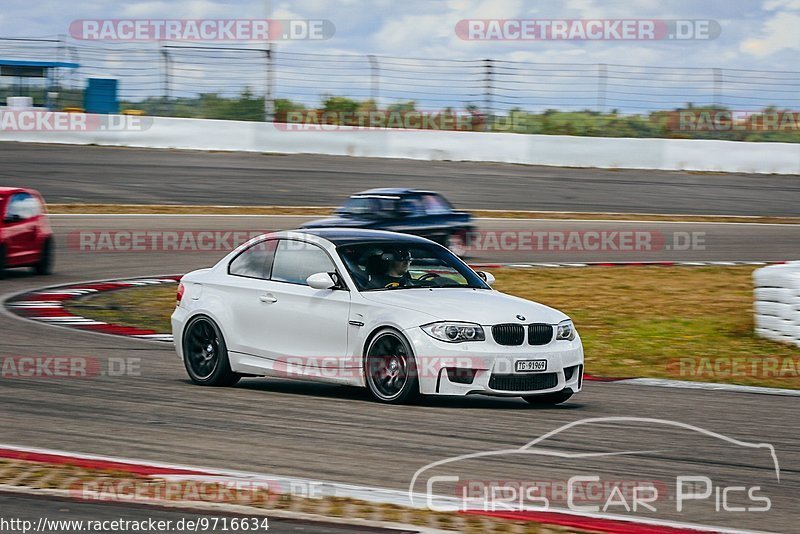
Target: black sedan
(410,211)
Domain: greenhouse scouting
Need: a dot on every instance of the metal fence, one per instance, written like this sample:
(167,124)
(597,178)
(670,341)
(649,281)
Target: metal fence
(170,78)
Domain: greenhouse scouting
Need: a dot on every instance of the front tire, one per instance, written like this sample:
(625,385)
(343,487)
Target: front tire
(205,354)
(46,260)
(390,368)
(549,399)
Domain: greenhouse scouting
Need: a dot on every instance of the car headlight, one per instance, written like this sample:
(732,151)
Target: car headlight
(453,332)
(566,331)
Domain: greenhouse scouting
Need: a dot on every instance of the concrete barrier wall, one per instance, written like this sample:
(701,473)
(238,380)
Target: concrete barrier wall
(777,302)
(556,150)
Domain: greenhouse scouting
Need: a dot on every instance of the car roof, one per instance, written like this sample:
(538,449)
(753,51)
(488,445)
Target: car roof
(346,236)
(7,191)
(391,191)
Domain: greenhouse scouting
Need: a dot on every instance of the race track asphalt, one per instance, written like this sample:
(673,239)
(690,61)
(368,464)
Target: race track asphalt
(337,434)
(94,174)
(495,240)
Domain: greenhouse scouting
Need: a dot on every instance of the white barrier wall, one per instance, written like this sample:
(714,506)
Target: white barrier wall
(777,302)
(556,150)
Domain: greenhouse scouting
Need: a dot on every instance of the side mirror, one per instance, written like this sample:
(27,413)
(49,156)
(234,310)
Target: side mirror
(487,277)
(321,281)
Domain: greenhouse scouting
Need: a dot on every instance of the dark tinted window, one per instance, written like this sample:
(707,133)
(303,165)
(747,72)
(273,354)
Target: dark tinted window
(383,266)
(369,206)
(254,262)
(295,261)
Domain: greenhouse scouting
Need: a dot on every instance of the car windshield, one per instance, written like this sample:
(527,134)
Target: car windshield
(398,265)
(359,206)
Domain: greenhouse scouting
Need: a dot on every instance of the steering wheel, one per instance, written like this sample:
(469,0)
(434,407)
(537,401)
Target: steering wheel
(428,276)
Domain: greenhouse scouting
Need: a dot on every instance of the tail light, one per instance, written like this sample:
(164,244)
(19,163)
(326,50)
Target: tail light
(180,293)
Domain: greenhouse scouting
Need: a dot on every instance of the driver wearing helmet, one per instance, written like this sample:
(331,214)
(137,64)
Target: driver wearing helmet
(392,270)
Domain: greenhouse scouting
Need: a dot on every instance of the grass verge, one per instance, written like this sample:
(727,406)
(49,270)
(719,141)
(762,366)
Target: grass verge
(686,323)
(311,211)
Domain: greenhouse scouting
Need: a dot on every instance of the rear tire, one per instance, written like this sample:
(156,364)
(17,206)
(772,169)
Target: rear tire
(390,369)
(205,354)
(45,264)
(549,399)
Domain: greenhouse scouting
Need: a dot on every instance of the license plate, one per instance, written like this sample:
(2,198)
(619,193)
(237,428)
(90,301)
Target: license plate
(530,366)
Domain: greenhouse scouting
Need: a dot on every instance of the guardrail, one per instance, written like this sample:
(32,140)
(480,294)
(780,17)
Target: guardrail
(433,145)
(777,302)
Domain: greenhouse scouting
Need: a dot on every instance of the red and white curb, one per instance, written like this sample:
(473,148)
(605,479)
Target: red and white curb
(47,306)
(589,521)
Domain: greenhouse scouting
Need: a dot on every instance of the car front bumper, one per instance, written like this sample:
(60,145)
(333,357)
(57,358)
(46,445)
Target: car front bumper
(487,368)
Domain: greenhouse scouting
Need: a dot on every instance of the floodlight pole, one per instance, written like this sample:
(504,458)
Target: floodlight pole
(269,96)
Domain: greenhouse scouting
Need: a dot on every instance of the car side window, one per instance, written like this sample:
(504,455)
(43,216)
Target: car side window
(22,206)
(295,261)
(435,205)
(411,206)
(256,261)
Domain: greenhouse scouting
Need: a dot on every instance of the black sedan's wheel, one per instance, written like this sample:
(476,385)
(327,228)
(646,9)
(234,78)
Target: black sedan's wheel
(46,260)
(205,354)
(390,368)
(549,399)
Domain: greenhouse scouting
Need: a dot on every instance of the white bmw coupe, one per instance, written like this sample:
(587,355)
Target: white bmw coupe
(398,314)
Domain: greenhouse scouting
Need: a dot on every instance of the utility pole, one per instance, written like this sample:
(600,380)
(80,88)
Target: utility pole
(375,74)
(269,96)
(488,72)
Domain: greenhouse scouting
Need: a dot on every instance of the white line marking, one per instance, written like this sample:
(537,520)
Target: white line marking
(709,386)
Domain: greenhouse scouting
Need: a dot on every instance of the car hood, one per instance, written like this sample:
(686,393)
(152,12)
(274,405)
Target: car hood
(470,305)
(337,222)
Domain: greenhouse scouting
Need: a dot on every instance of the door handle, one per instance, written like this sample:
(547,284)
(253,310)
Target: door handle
(267,298)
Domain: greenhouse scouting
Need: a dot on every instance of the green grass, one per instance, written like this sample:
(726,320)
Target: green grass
(144,307)
(634,321)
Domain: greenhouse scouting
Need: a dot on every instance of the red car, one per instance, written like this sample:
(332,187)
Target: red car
(26,239)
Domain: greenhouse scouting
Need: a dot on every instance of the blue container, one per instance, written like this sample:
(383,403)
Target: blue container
(101,96)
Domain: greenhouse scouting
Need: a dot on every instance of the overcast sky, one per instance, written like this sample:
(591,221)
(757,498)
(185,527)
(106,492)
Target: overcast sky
(756,34)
